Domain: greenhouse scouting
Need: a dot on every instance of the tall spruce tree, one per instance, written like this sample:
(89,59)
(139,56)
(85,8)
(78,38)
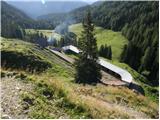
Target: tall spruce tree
(109,53)
(88,70)
(145,60)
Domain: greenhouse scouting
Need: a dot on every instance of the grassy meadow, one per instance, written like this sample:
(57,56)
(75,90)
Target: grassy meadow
(105,36)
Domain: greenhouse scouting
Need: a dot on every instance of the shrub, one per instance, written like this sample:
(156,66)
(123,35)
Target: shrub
(17,60)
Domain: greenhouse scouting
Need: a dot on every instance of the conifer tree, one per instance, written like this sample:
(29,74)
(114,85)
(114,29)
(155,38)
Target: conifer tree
(109,53)
(88,70)
(105,51)
(123,54)
(145,59)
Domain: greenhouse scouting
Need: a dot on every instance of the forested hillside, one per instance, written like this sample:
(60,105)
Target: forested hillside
(14,21)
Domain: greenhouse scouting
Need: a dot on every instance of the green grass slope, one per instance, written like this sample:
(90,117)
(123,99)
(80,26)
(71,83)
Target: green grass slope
(41,54)
(104,36)
(57,96)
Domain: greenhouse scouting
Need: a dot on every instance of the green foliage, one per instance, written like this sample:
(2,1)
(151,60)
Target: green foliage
(3,74)
(87,68)
(37,38)
(105,51)
(20,61)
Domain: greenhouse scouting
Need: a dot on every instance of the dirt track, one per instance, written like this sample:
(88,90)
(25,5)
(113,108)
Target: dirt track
(11,89)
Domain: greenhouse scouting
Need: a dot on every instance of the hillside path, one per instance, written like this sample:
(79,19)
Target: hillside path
(11,89)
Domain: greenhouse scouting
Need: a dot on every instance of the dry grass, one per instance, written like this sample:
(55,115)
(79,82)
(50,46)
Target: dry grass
(98,100)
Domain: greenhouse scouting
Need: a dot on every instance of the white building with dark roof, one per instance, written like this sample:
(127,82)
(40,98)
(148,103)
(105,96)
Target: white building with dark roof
(123,74)
(71,48)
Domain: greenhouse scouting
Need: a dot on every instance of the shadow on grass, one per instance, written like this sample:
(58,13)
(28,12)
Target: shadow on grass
(137,88)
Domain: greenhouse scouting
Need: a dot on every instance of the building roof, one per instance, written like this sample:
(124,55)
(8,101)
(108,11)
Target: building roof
(72,48)
(125,75)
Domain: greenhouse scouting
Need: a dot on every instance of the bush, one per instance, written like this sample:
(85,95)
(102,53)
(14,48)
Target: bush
(17,60)
(3,74)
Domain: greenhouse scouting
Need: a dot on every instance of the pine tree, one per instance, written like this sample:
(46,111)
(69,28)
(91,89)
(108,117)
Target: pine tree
(145,59)
(88,70)
(123,54)
(105,51)
(62,42)
(101,50)
(109,53)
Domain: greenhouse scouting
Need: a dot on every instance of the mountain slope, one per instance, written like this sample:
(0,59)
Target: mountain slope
(53,93)
(48,7)
(13,21)
(12,14)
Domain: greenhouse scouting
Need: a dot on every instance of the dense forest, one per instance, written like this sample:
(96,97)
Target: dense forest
(138,22)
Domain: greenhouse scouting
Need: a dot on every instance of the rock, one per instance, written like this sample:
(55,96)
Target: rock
(3,110)
(18,88)
(5,116)
(83,117)
(26,111)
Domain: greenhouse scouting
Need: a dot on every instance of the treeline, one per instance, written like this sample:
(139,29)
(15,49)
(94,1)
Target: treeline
(53,19)
(37,38)
(66,39)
